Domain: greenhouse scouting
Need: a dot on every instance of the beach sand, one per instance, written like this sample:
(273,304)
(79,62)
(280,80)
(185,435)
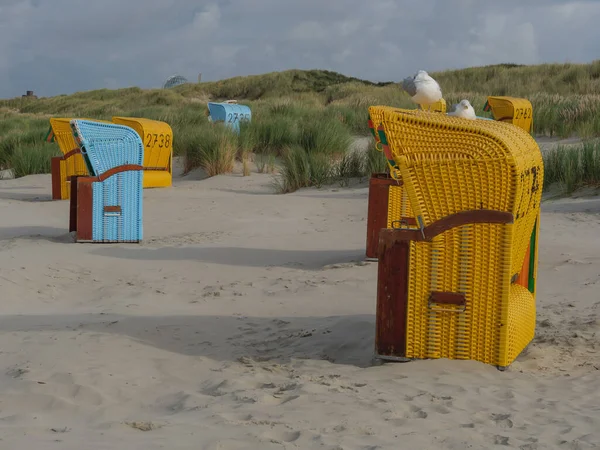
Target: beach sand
(245,320)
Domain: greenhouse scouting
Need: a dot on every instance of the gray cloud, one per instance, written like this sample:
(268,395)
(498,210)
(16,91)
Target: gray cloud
(63,46)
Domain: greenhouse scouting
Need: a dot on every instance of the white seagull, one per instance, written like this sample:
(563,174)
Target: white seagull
(423,89)
(463,109)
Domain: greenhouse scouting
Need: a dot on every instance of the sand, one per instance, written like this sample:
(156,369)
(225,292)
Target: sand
(245,320)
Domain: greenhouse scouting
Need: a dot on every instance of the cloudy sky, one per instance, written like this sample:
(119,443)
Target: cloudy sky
(64,46)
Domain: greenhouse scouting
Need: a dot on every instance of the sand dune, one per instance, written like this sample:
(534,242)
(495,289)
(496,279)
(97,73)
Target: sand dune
(245,320)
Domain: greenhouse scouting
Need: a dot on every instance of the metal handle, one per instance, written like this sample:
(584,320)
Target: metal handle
(447,298)
(110,210)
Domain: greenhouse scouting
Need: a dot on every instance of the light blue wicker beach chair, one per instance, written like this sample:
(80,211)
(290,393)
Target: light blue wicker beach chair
(107,206)
(231,114)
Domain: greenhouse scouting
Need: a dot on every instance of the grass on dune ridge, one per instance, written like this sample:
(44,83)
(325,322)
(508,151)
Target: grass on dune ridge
(303,121)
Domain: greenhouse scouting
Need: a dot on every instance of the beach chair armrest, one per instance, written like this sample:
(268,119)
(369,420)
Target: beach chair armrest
(388,236)
(110,173)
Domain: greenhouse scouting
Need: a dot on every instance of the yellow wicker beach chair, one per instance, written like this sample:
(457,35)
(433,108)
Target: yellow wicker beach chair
(157,137)
(70,163)
(517,111)
(454,287)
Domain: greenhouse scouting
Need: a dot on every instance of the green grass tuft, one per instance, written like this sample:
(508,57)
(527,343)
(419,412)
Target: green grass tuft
(573,167)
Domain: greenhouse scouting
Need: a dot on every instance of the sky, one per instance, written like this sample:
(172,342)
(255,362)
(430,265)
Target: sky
(63,46)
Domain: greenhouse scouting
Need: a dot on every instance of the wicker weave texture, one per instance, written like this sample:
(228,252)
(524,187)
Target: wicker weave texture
(125,190)
(106,147)
(457,261)
(449,165)
(398,206)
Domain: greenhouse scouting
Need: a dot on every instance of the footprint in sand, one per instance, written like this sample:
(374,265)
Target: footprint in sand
(501,440)
(416,413)
(17,372)
(502,420)
(236,418)
(281,437)
(143,426)
(441,409)
(179,402)
(345,265)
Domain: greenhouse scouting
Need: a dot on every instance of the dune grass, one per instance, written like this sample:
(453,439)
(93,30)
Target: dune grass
(573,167)
(304,121)
(304,168)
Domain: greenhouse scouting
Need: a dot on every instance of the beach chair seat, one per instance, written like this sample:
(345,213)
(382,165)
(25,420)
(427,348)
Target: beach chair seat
(106,206)
(461,285)
(70,163)
(157,137)
(517,111)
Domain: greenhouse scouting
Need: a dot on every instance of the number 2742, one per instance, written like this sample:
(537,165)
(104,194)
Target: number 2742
(522,113)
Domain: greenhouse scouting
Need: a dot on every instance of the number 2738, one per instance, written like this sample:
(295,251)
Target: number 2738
(163,140)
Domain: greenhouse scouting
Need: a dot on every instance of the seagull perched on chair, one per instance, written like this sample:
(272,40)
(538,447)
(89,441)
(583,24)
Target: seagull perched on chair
(463,109)
(423,89)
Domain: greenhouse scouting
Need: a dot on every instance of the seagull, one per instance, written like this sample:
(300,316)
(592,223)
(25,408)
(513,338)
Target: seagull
(423,89)
(464,110)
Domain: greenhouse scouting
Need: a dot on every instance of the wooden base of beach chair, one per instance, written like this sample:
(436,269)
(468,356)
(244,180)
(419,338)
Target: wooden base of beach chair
(385,210)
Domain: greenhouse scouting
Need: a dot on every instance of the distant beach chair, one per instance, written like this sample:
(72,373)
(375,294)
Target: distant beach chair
(231,114)
(70,163)
(157,137)
(439,106)
(462,283)
(106,206)
(517,111)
